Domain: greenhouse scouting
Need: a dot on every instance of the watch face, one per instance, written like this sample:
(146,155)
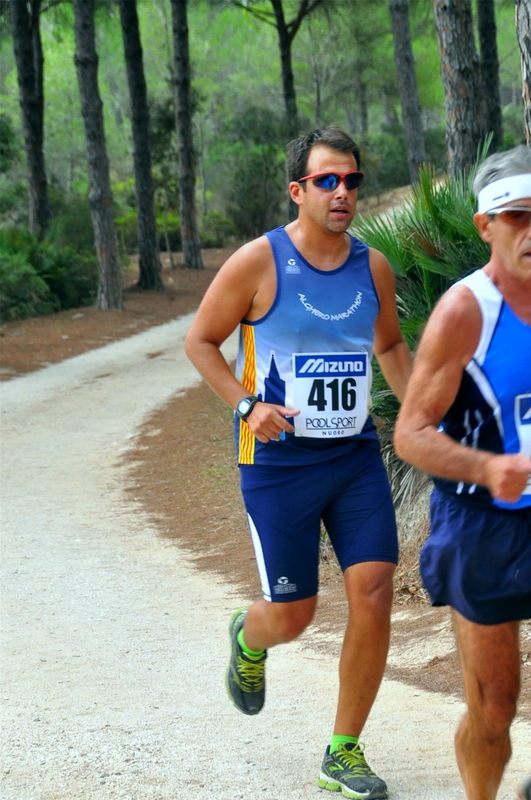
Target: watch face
(244,406)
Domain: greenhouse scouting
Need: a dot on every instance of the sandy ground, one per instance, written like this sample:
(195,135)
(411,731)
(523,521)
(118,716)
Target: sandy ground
(114,646)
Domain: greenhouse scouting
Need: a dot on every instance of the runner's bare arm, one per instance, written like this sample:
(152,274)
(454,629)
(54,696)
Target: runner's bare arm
(241,289)
(390,348)
(448,344)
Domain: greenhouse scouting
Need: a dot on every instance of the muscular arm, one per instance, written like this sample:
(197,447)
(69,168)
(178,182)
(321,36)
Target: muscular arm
(239,290)
(390,348)
(448,344)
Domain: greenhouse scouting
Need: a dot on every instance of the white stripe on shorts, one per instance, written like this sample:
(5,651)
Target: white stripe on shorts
(266,589)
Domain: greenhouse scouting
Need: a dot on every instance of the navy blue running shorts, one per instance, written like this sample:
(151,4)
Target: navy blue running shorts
(478,560)
(285,506)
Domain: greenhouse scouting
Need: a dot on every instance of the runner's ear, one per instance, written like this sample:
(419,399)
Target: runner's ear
(296,192)
(482,222)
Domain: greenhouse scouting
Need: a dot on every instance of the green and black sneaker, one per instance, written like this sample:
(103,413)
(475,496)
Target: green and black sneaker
(245,677)
(345,770)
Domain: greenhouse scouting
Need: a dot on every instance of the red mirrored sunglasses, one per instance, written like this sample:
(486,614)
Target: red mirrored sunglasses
(331,180)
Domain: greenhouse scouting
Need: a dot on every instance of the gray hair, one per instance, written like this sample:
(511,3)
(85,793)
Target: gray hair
(502,165)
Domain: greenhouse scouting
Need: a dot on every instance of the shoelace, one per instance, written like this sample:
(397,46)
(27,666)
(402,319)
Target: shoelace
(251,674)
(354,760)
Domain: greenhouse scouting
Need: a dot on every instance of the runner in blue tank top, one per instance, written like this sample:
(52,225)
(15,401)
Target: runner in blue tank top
(313,305)
(466,420)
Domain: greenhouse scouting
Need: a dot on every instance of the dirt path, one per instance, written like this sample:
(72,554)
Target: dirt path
(114,647)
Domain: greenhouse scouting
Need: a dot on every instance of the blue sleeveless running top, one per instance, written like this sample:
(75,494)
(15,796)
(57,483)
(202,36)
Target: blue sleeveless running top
(312,351)
(492,409)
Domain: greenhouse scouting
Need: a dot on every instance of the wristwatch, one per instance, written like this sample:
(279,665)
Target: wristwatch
(246,405)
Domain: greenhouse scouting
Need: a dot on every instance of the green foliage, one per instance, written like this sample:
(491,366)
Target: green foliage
(430,243)
(9,149)
(513,127)
(39,278)
(127,230)
(253,125)
(435,144)
(173,224)
(251,163)
(22,292)
(384,161)
(258,193)
(239,120)
(13,196)
(71,224)
(384,157)
(216,230)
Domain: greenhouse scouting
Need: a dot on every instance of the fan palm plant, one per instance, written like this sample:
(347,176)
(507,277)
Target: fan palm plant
(430,242)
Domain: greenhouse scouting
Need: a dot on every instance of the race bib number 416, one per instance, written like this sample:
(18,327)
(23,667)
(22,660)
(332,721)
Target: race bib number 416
(331,391)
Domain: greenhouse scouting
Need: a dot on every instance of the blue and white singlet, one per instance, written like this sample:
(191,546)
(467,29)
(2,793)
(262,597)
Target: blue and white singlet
(492,409)
(312,351)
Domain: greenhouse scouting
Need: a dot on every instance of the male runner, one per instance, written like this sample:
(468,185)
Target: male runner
(313,304)
(467,420)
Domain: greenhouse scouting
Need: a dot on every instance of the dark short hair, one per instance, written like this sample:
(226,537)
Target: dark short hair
(298,150)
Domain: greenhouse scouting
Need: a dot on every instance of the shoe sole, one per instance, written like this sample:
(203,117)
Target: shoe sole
(334,786)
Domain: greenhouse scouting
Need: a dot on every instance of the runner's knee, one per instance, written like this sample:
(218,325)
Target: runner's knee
(495,710)
(370,590)
(291,619)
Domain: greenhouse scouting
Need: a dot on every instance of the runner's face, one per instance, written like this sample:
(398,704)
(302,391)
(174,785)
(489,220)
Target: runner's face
(333,210)
(510,239)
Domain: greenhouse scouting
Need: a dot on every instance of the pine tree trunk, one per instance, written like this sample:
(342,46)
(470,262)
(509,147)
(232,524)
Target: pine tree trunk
(165,223)
(463,87)
(407,85)
(523,29)
(288,82)
(100,196)
(285,40)
(183,109)
(490,71)
(363,106)
(148,251)
(29,60)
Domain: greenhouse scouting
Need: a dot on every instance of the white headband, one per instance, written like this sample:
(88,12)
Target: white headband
(506,190)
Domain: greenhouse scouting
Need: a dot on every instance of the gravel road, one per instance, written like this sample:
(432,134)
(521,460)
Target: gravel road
(114,647)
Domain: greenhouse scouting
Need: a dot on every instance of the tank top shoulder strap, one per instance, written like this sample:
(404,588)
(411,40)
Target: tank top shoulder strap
(490,301)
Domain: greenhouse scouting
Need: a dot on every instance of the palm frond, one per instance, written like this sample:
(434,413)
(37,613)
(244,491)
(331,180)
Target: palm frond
(431,242)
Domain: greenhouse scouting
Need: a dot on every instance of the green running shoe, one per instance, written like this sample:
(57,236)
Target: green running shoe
(346,771)
(245,677)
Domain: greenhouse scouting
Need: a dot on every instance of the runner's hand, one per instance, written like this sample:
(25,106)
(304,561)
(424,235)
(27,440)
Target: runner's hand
(268,421)
(507,476)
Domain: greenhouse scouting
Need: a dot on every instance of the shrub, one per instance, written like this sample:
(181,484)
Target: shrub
(13,198)
(9,147)
(216,230)
(127,230)
(70,278)
(71,224)
(431,242)
(22,292)
(258,194)
(173,223)
(384,161)
(513,127)
(384,158)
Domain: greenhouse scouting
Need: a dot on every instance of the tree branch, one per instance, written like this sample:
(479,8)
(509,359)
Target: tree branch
(263,16)
(306,7)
